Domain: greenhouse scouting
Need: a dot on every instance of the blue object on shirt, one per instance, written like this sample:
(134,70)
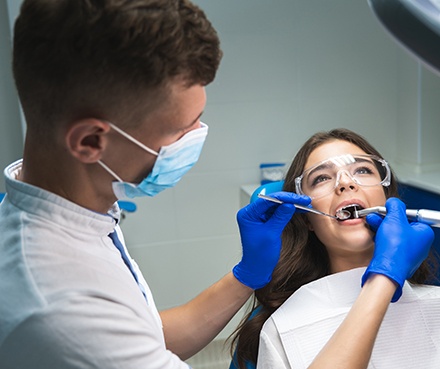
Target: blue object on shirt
(114,237)
(127,206)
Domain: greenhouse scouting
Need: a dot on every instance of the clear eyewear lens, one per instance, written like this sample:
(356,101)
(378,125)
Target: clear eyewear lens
(324,177)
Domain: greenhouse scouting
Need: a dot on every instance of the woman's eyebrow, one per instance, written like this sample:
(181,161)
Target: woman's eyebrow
(328,165)
(364,160)
(320,167)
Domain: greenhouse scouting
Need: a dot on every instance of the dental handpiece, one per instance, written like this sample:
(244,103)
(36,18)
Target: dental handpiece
(429,217)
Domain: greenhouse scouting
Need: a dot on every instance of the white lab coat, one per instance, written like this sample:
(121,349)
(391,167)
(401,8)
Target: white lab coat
(67,300)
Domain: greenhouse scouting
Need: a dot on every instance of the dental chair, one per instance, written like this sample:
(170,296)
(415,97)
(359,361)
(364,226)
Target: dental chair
(415,25)
(267,188)
(2,195)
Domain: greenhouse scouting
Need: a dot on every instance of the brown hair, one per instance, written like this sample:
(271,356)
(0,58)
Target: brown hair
(82,58)
(303,257)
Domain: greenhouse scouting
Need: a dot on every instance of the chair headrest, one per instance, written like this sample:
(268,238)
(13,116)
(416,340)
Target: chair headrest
(267,188)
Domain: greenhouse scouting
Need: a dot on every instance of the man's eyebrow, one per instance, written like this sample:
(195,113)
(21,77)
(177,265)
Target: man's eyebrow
(195,120)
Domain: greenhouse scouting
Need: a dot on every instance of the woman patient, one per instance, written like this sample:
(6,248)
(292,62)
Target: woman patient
(314,312)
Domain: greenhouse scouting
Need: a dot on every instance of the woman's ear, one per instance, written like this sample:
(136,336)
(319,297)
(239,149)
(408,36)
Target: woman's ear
(308,223)
(86,139)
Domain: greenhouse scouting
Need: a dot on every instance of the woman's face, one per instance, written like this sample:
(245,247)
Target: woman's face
(349,243)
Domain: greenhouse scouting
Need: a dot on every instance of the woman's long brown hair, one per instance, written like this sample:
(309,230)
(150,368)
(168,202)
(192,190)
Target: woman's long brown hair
(303,257)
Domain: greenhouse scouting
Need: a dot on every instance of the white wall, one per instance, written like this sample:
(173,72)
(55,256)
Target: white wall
(291,68)
(11,141)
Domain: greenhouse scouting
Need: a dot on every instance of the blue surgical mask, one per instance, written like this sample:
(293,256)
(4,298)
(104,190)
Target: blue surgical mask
(172,162)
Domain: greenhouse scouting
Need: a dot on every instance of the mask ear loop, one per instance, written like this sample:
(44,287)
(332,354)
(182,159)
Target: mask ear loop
(132,139)
(110,171)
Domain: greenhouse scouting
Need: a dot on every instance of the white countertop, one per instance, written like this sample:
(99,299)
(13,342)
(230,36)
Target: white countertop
(428,180)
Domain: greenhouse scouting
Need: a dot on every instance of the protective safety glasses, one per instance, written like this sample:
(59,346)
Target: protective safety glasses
(324,177)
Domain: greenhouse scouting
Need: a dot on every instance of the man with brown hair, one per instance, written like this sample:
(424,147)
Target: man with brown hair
(112,92)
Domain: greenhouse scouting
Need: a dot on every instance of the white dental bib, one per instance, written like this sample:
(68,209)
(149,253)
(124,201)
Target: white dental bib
(409,336)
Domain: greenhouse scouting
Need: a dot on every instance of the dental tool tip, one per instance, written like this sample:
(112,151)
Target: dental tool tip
(270,198)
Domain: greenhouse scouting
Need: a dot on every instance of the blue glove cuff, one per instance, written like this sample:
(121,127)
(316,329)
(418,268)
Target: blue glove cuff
(253,281)
(378,270)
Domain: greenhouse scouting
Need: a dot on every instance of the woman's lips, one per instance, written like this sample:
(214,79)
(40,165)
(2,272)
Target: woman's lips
(351,222)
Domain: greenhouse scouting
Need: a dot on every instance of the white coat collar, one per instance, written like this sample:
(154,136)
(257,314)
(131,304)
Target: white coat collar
(45,204)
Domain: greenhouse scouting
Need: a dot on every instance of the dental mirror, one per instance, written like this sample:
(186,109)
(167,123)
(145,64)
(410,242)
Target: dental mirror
(343,214)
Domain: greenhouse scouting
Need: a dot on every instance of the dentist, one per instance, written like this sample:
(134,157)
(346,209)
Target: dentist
(113,92)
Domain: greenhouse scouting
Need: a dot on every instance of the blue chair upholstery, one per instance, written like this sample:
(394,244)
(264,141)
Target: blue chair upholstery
(233,364)
(2,195)
(267,188)
(417,198)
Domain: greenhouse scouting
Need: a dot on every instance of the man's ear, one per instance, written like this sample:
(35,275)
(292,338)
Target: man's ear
(86,139)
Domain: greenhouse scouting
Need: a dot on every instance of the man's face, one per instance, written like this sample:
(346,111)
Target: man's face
(177,115)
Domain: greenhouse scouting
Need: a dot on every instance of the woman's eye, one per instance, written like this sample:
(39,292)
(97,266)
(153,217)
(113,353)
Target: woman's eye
(364,170)
(320,179)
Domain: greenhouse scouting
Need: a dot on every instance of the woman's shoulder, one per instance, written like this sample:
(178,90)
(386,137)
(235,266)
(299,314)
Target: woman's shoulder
(421,292)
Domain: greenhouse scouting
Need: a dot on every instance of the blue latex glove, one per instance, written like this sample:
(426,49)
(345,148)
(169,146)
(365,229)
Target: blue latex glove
(400,247)
(261,224)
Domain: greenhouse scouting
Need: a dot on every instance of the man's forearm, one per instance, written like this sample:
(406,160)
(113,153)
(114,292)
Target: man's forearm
(190,327)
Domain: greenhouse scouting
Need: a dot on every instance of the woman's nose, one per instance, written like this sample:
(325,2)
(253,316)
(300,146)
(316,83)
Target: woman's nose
(345,182)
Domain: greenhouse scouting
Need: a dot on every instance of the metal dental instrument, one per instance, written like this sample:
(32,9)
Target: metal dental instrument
(430,217)
(305,208)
